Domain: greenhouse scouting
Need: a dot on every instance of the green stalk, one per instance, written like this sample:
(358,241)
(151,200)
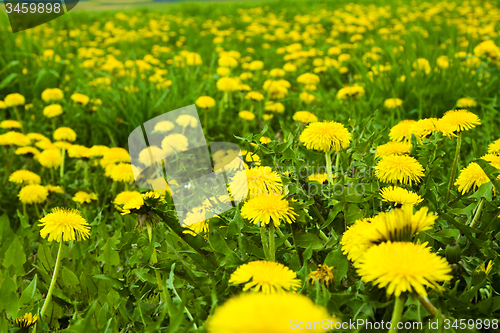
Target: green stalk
(428,305)
(397,313)
(154,259)
(328,157)
(62,163)
(18,118)
(478,212)
(205,120)
(454,167)
(265,244)
(53,281)
(280,233)
(272,247)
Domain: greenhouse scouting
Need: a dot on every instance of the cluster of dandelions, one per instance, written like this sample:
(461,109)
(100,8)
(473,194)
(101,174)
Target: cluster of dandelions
(383,251)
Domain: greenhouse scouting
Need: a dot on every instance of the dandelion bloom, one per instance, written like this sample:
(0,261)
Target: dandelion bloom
(27,320)
(268,277)
(246,115)
(83,197)
(164,126)
(64,223)
(64,134)
(461,120)
(307,97)
(13,138)
(422,65)
(404,169)
(269,313)
(137,205)
(393,148)
(274,107)
(115,155)
(29,151)
(319,177)
(267,208)
(256,65)
(125,196)
(403,266)
(151,154)
(186,120)
(54,189)
(305,117)
(80,98)
(324,274)
(400,196)
(423,128)
(466,102)
(325,136)
(494,147)
(50,158)
(205,102)
(227,84)
(13,100)
(52,95)
(402,131)
(254,96)
(353,92)
(177,142)
(471,176)
(263,180)
(393,103)
(24,177)
(123,172)
(308,79)
(8,124)
(52,110)
(358,238)
(98,150)
(33,194)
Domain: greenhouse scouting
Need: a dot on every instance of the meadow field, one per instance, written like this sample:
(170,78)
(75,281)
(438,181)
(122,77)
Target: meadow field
(362,195)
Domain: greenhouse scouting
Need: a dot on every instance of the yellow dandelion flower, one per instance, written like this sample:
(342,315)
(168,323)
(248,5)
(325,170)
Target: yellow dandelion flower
(254,96)
(471,176)
(115,155)
(494,147)
(50,158)
(321,178)
(27,320)
(13,100)
(487,269)
(83,197)
(400,196)
(305,117)
(14,139)
(324,273)
(402,131)
(98,150)
(174,142)
(263,180)
(52,110)
(466,102)
(33,194)
(359,237)
(403,266)
(123,172)
(52,95)
(246,115)
(325,136)
(351,92)
(125,196)
(8,124)
(393,148)
(267,208)
(462,120)
(393,103)
(64,223)
(54,189)
(150,155)
(268,277)
(164,126)
(186,120)
(205,102)
(25,177)
(395,168)
(269,313)
(64,134)
(80,98)
(27,151)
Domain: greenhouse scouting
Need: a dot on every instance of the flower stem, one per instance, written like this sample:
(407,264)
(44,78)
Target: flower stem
(478,212)
(18,118)
(62,162)
(154,259)
(265,244)
(272,247)
(397,313)
(53,281)
(280,233)
(205,120)
(454,166)
(328,157)
(428,305)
